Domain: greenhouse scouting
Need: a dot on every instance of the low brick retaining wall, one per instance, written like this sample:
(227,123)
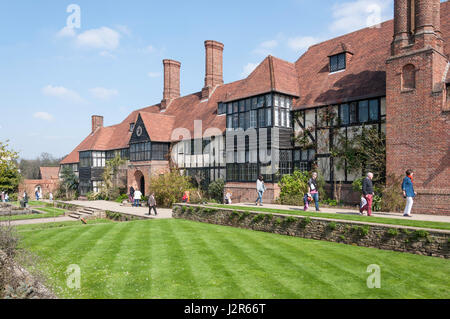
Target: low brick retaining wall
(421,241)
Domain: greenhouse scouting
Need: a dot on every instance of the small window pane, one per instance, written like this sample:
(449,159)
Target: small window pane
(373,110)
(235,107)
(282,100)
(363,111)
(283,118)
(269,100)
(277,100)
(254,103)
(248,104)
(333,63)
(353,108)
(341,61)
(229,108)
(253,119)
(276,117)
(344,114)
(261,118)
(241,106)
(269,117)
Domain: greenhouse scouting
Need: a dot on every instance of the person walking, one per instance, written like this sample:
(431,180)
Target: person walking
(6,198)
(313,189)
(260,189)
(131,196)
(408,192)
(151,204)
(25,199)
(36,194)
(367,189)
(137,197)
(50,196)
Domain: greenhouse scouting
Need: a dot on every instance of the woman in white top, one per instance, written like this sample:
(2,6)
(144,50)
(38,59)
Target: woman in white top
(260,189)
(137,198)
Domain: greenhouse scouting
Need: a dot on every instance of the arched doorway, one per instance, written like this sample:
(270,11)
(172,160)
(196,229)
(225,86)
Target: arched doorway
(139,181)
(142,185)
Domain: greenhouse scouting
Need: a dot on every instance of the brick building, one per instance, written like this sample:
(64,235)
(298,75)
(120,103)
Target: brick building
(47,183)
(394,77)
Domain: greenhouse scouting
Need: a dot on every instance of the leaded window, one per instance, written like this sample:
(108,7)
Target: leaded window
(337,62)
(363,111)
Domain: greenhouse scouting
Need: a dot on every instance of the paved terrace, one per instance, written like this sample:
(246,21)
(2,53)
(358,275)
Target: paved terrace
(343,211)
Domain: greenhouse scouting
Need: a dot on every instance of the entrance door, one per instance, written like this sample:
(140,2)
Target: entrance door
(142,185)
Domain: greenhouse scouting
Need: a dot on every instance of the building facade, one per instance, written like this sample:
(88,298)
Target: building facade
(393,77)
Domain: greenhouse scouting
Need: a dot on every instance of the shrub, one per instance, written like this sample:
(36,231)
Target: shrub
(169,187)
(393,232)
(392,197)
(361,230)
(258,218)
(305,221)
(122,198)
(332,226)
(216,190)
(421,234)
(293,187)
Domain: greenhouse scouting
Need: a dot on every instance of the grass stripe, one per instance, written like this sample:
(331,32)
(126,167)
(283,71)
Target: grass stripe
(216,277)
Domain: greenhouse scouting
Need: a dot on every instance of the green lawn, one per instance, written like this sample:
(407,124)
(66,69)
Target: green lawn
(31,203)
(47,213)
(370,219)
(184,259)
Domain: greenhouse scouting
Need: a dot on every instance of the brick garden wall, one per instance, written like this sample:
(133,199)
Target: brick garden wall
(389,237)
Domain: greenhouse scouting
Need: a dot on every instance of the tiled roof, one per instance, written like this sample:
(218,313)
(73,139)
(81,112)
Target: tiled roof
(308,79)
(49,172)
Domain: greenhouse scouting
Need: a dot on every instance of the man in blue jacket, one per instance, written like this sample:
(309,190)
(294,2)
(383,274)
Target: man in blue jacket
(408,192)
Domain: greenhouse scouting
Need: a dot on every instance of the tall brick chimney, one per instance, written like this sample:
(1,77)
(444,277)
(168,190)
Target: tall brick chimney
(171,82)
(214,67)
(97,122)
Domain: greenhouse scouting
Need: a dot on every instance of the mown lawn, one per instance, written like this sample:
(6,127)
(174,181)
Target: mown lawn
(184,259)
(370,219)
(47,212)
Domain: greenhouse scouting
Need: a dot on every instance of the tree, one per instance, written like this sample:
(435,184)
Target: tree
(169,187)
(9,172)
(364,151)
(110,177)
(69,181)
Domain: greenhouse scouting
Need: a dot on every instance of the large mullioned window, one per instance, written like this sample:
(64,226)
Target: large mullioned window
(140,152)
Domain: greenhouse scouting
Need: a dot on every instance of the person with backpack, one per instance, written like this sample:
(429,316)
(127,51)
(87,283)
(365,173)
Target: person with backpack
(260,189)
(408,192)
(313,189)
(151,204)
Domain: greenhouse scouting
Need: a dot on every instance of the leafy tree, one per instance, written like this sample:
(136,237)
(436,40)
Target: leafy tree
(110,177)
(9,172)
(364,151)
(69,182)
(169,187)
(216,190)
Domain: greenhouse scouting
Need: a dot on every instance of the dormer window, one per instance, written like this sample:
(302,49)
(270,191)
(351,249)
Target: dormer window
(131,127)
(337,62)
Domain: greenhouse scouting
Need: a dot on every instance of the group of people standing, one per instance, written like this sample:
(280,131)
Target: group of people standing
(4,197)
(135,197)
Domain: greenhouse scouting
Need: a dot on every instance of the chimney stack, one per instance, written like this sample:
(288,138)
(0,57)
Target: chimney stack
(214,67)
(97,122)
(171,82)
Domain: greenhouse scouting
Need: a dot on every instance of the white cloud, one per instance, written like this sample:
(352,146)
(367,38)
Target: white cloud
(124,29)
(43,116)
(302,43)
(266,47)
(62,93)
(66,32)
(102,38)
(355,15)
(249,68)
(107,54)
(102,93)
(154,74)
(149,49)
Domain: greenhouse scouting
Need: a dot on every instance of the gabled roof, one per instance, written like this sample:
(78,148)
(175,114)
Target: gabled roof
(159,126)
(49,172)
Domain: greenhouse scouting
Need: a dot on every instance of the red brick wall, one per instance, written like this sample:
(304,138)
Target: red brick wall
(417,126)
(147,169)
(47,186)
(246,192)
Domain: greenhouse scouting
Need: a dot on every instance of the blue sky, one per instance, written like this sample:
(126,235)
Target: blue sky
(53,79)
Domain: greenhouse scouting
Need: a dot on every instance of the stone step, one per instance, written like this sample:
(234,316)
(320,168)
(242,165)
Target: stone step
(75,216)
